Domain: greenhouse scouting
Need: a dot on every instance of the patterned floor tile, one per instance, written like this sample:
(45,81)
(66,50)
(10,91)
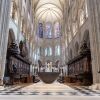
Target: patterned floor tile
(56,89)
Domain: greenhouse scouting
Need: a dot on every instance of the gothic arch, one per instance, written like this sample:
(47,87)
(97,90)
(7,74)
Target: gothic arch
(11,37)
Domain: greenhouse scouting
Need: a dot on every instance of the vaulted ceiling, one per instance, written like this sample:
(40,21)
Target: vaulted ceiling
(49,10)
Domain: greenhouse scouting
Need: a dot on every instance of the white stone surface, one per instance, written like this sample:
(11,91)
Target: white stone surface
(42,87)
(54,89)
(47,98)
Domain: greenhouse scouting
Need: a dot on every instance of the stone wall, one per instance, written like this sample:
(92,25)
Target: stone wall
(94,13)
(92,24)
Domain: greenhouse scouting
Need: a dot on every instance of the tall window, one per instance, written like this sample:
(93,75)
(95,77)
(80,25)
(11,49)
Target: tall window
(48,30)
(48,51)
(57,50)
(40,30)
(36,54)
(56,29)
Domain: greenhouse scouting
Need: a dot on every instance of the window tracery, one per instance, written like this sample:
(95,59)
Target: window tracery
(48,30)
(57,30)
(40,30)
(48,51)
(57,50)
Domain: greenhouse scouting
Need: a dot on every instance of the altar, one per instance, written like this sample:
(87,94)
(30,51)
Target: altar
(48,77)
(50,74)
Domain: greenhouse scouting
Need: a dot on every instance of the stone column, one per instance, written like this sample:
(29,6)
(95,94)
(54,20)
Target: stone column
(1,13)
(94,19)
(4,30)
(19,9)
(53,44)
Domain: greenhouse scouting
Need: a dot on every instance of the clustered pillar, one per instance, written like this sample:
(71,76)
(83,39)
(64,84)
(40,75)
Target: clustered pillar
(4,21)
(94,14)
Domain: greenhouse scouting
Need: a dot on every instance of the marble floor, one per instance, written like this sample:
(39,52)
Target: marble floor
(41,91)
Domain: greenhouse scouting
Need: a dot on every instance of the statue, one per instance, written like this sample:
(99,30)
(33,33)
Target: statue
(48,67)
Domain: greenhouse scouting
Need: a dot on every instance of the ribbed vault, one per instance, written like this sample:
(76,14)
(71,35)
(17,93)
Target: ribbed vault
(49,10)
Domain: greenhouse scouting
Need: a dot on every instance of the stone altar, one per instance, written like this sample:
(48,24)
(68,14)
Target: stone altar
(48,77)
(50,74)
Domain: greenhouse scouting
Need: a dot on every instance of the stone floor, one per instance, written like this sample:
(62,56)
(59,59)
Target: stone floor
(41,91)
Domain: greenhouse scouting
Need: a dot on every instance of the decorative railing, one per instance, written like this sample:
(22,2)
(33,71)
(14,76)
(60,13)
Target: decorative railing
(18,67)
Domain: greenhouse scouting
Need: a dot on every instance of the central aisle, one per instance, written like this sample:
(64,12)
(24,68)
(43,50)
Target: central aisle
(42,91)
(49,89)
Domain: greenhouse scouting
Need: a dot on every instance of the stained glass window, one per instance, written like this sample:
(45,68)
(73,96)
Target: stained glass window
(48,30)
(57,29)
(48,51)
(40,30)
(36,54)
(57,50)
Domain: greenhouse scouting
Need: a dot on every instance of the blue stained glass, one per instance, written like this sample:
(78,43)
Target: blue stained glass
(40,30)
(48,30)
(57,29)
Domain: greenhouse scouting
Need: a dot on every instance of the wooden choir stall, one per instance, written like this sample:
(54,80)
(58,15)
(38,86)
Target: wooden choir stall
(80,67)
(17,66)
